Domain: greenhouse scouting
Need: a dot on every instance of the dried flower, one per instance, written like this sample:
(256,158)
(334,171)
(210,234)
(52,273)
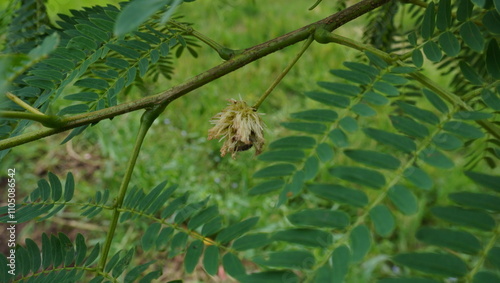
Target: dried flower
(242,127)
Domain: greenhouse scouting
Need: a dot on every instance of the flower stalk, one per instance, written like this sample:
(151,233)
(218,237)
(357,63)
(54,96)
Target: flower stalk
(285,72)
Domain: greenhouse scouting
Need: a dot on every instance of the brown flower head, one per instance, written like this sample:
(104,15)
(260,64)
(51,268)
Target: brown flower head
(242,127)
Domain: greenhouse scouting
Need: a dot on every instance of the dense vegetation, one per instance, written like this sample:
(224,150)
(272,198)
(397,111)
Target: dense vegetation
(384,171)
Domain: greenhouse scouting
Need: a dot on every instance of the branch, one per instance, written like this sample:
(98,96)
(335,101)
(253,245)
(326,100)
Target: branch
(32,114)
(46,120)
(147,120)
(247,56)
(224,53)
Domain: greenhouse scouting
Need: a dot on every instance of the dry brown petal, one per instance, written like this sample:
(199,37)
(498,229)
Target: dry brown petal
(241,126)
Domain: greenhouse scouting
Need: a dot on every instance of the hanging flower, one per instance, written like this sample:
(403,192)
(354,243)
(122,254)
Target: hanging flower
(242,127)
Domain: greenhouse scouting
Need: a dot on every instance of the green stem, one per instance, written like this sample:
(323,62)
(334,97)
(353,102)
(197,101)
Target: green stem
(224,52)
(325,37)
(146,121)
(285,71)
(32,114)
(477,92)
(314,5)
(23,104)
(491,128)
(479,263)
(247,56)
(364,214)
(46,120)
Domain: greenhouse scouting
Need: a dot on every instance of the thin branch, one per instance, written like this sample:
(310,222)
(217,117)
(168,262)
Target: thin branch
(476,92)
(146,121)
(23,104)
(490,127)
(283,74)
(46,120)
(22,115)
(247,56)
(314,5)
(224,52)
(325,37)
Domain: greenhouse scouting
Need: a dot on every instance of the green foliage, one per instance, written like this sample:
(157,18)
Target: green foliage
(57,258)
(91,58)
(370,160)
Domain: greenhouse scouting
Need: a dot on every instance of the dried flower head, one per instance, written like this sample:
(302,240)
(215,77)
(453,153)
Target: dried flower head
(242,127)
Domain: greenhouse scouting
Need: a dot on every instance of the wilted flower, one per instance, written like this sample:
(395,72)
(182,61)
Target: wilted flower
(242,127)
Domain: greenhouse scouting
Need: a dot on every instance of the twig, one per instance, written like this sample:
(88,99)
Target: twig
(283,74)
